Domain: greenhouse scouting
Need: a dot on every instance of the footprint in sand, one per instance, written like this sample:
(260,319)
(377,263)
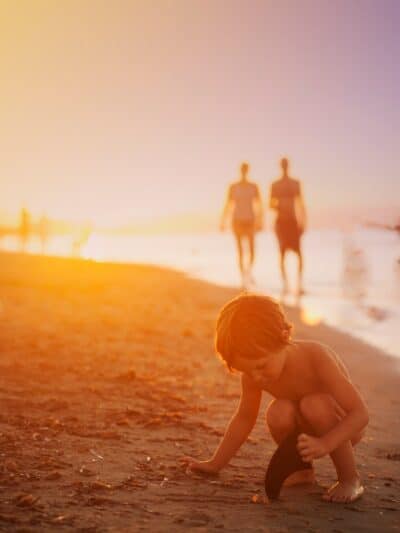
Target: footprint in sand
(53,476)
(395,456)
(26,500)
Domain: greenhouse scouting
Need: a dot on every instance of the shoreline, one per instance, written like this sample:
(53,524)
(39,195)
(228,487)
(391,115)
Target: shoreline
(108,377)
(373,323)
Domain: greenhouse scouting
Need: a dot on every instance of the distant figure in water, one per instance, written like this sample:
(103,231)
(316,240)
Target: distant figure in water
(355,272)
(287,200)
(316,404)
(245,200)
(396,228)
(24,229)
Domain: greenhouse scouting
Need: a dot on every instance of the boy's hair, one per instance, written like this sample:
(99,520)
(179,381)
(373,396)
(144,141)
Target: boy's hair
(247,322)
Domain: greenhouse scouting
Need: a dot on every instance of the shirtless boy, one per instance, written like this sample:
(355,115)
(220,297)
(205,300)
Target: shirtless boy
(311,386)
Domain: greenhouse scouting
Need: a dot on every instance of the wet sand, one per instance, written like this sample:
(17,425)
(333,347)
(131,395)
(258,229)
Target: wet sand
(108,377)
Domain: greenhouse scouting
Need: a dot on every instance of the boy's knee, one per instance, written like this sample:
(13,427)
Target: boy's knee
(317,408)
(281,414)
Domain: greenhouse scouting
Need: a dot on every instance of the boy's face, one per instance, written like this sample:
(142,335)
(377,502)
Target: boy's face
(264,370)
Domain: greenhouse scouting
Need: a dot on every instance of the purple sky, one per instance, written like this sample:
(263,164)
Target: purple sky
(118,111)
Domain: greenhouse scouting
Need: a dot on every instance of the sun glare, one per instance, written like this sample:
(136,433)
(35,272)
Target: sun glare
(311,318)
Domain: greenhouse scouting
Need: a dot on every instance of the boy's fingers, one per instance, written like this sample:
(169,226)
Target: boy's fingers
(306,455)
(302,443)
(302,436)
(302,446)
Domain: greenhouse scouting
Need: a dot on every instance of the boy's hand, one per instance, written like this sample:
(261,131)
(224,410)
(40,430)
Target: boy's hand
(311,447)
(207,467)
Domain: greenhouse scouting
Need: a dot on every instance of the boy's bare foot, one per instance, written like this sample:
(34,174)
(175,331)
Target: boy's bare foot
(344,491)
(301,477)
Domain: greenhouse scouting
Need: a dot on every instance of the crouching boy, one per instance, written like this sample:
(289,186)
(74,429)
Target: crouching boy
(311,386)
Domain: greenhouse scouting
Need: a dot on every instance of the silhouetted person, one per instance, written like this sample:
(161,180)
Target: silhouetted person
(80,239)
(395,227)
(24,227)
(287,200)
(244,199)
(43,230)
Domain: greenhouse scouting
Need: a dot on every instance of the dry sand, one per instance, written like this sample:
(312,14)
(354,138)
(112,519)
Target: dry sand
(108,377)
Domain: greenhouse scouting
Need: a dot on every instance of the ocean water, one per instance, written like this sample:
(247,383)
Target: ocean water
(352,281)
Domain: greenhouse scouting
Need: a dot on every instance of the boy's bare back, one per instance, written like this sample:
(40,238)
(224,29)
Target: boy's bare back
(309,368)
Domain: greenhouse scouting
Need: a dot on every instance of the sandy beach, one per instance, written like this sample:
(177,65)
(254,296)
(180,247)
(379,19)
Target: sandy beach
(108,377)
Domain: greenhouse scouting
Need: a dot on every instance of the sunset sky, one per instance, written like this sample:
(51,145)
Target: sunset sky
(117,111)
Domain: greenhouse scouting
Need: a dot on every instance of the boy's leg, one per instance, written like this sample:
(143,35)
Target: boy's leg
(320,413)
(282,420)
(341,414)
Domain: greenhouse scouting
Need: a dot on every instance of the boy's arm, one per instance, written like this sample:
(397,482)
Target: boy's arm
(335,383)
(237,431)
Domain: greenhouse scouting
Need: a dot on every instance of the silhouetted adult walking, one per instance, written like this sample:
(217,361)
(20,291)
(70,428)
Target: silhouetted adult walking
(43,230)
(287,200)
(24,229)
(244,200)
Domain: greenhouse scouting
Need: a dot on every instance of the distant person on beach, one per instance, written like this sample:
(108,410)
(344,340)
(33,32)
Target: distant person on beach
(315,398)
(24,229)
(80,239)
(245,201)
(390,227)
(43,230)
(287,200)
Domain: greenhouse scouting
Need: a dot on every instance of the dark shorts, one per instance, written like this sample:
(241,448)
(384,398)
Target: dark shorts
(288,233)
(243,228)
